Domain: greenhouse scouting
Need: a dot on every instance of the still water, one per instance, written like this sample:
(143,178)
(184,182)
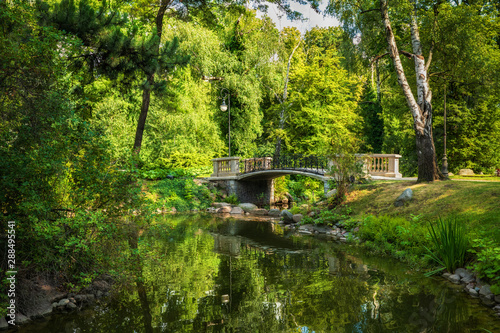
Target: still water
(213,275)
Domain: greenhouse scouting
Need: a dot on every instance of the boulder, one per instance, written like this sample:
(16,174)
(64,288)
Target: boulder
(487,301)
(224,209)
(21,319)
(3,323)
(406,196)
(80,298)
(473,292)
(287,216)
(468,279)
(260,211)
(297,218)
(454,278)
(237,210)
(306,227)
(274,212)
(311,214)
(464,273)
(71,306)
(485,291)
(247,207)
(331,193)
(220,204)
(63,302)
(466,172)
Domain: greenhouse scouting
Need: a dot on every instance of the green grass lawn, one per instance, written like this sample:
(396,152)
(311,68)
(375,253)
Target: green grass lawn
(478,203)
(477,177)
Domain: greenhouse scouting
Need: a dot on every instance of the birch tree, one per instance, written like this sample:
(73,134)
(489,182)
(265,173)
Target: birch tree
(419,104)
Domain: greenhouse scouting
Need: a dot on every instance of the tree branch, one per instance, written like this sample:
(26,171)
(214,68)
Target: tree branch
(370,10)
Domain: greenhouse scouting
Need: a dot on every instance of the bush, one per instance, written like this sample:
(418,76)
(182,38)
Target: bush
(232,199)
(487,262)
(183,194)
(395,235)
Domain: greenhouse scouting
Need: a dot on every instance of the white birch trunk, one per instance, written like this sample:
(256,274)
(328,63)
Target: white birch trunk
(421,108)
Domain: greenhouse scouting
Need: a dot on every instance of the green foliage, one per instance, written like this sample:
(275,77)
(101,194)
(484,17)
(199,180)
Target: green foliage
(373,130)
(395,235)
(59,181)
(232,199)
(333,217)
(342,151)
(182,193)
(487,262)
(296,189)
(450,243)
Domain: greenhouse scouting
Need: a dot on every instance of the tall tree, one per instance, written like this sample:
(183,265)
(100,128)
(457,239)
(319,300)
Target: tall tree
(420,106)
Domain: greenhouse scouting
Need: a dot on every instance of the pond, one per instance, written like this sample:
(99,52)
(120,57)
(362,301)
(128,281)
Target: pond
(205,274)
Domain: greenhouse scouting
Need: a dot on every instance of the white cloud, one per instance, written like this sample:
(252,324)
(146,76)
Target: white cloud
(314,19)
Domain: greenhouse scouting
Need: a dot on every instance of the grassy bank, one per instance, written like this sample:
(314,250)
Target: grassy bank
(404,231)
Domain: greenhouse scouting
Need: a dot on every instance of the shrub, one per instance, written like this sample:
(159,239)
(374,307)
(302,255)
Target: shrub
(232,199)
(487,262)
(182,193)
(395,235)
(451,243)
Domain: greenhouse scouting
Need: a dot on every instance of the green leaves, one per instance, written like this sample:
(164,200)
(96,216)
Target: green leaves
(450,242)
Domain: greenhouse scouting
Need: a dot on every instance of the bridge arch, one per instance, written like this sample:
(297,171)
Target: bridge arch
(253,178)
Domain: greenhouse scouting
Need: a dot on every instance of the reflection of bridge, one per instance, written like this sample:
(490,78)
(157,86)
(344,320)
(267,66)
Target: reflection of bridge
(253,177)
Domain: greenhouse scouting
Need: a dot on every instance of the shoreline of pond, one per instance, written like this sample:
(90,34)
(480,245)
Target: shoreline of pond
(77,302)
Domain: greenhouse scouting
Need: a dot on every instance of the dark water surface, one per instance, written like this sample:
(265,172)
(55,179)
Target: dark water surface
(210,275)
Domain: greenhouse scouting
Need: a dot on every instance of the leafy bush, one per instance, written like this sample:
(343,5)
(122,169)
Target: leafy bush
(232,199)
(295,210)
(487,262)
(183,194)
(450,244)
(147,172)
(402,238)
(297,190)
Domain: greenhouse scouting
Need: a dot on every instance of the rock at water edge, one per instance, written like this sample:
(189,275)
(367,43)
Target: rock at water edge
(247,207)
(274,212)
(287,216)
(297,218)
(237,210)
(454,278)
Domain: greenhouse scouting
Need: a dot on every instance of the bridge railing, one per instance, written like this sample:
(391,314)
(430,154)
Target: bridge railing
(226,166)
(386,165)
(313,164)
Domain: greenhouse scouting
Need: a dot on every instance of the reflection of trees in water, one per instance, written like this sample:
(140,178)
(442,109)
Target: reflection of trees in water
(272,288)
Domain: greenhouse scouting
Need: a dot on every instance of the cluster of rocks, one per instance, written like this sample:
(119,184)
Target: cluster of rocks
(72,302)
(241,209)
(337,232)
(48,302)
(475,287)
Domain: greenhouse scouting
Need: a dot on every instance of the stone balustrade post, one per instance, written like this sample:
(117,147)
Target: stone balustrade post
(226,166)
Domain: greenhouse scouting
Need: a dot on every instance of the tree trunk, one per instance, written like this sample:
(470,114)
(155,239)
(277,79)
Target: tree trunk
(146,93)
(277,149)
(421,109)
(141,123)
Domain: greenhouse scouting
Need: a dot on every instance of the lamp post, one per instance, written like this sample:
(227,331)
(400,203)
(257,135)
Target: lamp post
(223,107)
(444,169)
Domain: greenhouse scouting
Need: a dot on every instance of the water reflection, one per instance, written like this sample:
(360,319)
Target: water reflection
(208,276)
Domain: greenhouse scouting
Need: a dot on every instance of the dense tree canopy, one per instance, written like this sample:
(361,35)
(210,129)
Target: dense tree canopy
(91,92)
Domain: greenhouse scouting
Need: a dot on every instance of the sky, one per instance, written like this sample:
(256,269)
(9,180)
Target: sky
(314,19)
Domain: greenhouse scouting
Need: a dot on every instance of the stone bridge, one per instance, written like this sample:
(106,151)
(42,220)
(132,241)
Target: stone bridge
(252,179)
